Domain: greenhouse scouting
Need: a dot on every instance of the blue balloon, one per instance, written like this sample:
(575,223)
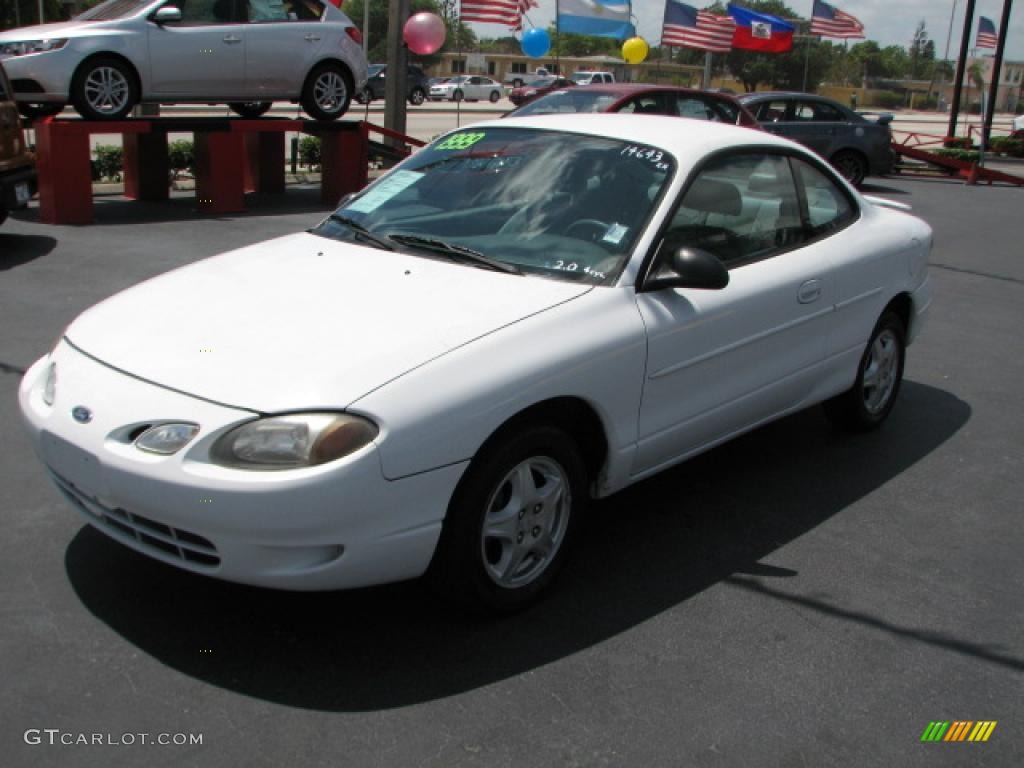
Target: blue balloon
(535,42)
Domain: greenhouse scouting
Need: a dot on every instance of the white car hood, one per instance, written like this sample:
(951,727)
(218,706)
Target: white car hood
(57,29)
(303,321)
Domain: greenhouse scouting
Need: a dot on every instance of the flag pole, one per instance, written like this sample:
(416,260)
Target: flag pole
(993,88)
(807,51)
(558,38)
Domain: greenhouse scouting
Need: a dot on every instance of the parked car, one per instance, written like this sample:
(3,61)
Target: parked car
(468,87)
(587,77)
(527,93)
(518,79)
(641,99)
(574,304)
(856,146)
(417,84)
(17,166)
(246,53)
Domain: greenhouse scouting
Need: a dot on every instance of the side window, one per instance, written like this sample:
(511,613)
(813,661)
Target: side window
(647,104)
(740,208)
(771,112)
(693,107)
(200,12)
(828,207)
(803,112)
(267,10)
(826,113)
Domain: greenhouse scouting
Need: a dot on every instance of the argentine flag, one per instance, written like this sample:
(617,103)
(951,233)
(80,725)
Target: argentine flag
(603,18)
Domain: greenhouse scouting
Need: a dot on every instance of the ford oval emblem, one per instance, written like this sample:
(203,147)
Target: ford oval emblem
(81,414)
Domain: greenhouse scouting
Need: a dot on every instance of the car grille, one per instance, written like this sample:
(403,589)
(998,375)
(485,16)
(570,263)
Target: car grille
(150,534)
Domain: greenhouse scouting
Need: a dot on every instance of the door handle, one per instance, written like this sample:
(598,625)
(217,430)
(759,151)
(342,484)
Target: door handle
(311,38)
(232,39)
(809,292)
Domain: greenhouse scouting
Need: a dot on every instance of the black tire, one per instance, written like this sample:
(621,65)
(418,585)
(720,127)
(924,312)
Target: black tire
(42,109)
(458,95)
(417,96)
(3,215)
(327,92)
(851,165)
(466,565)
(865,406)
(494,97)
(104,88)
(364,96)
(250,108)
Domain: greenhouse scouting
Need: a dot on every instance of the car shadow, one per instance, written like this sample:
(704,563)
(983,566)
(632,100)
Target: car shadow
(112,210)
(16,250)
(644,551)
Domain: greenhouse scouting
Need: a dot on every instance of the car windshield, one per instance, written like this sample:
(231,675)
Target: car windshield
(548,203)
(570,100)
(113,9)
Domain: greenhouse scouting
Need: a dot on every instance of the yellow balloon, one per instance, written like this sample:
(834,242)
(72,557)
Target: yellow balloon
(635,50)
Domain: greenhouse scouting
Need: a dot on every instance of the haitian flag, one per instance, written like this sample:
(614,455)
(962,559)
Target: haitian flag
(760,31)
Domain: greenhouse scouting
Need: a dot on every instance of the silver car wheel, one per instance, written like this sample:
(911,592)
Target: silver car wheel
(525,523)
(329,91)
(107,90)
(880,372)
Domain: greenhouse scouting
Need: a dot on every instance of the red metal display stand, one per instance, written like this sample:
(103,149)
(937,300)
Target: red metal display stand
(233,156)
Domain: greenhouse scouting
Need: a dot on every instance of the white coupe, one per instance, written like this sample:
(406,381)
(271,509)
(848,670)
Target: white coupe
(525,315)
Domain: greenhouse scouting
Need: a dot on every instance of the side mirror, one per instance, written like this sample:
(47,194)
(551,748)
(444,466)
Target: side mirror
(167,14)
(689,268)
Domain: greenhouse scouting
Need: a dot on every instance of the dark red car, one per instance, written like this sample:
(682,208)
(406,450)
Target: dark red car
(525,93)
(640,98)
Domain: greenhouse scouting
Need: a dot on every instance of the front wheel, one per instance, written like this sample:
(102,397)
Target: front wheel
(364,96)
(104,89)
(250,108)
(851,165)
(869,401)
(458,95)
(511,521)
(327,92)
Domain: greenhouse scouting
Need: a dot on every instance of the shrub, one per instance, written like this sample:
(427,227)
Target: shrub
(309,151)
(957,143)
(109,162)
(181,156)
(1004,145)
(889,99)
(967,155)
(925,102)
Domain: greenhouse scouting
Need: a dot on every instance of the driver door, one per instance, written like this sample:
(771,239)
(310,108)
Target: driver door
(722,361)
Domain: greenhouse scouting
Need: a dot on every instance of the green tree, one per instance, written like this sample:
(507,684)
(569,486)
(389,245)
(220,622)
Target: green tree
(921,53)
(24,13)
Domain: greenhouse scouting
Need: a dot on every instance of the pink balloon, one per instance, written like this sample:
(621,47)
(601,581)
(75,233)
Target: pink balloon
(424,33)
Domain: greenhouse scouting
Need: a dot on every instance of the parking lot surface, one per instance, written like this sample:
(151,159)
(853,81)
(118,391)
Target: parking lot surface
(796,597)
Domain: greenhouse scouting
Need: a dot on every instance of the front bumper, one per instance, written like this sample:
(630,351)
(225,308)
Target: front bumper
(13,186)
(335,526)
(43,77)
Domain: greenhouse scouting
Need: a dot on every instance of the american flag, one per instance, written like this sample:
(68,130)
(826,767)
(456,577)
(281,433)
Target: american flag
(509,12)
(829,21)
(987,35)
(687,27)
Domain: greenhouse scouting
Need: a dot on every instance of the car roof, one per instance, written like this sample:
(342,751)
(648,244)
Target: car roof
(627,89)
(693,139)
(759,95)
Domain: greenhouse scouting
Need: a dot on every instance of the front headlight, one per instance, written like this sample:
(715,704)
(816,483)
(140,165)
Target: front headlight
(296,440)
(32,46)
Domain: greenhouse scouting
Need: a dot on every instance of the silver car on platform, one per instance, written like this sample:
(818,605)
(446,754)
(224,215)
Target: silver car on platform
(246,53)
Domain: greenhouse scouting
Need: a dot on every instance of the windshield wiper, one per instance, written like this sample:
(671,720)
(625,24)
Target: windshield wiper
(361,232)
(456,252)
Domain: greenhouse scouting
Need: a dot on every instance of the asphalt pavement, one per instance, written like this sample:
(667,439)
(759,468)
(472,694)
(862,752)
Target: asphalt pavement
(798,597)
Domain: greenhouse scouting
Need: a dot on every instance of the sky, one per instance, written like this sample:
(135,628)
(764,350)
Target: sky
(888,22)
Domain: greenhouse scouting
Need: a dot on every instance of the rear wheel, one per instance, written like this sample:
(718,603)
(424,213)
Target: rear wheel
(104,89)
(869,401)
(494,97)
(327,92)
(364,96)
(250,108)
(417,96)
(851,165)
(511,521)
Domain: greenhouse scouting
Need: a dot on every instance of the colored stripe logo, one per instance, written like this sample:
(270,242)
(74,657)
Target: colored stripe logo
(959,730)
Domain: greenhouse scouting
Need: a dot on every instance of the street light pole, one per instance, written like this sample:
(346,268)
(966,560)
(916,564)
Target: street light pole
(965,43)
(993,88)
